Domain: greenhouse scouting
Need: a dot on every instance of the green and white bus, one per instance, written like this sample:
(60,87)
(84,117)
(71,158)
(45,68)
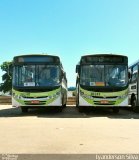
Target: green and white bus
(38,81)
(102,81)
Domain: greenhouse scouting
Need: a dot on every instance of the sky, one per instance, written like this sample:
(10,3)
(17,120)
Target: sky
(69,29)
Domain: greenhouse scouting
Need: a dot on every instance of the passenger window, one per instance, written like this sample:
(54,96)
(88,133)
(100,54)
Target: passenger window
(134,74)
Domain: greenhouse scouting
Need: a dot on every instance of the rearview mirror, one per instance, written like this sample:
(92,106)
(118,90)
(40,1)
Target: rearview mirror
(10,70)
(77,68)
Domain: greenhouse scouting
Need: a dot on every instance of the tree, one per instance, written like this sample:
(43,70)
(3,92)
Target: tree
(71,88)
(6,86)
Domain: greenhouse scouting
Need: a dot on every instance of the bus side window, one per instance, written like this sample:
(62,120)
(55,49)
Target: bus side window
(134,74)
(134,77)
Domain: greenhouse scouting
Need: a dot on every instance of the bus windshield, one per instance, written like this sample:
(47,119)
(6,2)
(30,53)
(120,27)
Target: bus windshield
(36,75)
(104,75)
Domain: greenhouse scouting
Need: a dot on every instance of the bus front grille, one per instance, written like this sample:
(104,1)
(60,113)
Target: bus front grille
(109,103)
(105,97)
(34,97)
(39,103)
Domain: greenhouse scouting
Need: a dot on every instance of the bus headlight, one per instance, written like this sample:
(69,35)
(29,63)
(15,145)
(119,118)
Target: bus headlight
(55,95)
(123,96)
(16,96)
(87,96)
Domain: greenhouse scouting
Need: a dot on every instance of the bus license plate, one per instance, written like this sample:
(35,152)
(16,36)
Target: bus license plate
(104,101)
(35,102)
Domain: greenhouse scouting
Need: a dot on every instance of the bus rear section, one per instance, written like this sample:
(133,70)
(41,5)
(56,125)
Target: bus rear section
(102,81)
(38,81)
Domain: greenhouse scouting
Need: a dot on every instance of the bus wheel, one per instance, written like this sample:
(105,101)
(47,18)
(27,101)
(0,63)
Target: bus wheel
(134,107)
(77,102)
(115,110)
(24,109)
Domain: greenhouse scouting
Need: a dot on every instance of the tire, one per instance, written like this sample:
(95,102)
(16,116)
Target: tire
(77,102)
(63,101)
(63,105)
(77,99)
(115,110)
(134,107)
(24,109)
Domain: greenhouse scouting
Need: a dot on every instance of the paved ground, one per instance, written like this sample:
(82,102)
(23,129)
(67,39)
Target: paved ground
(44,131)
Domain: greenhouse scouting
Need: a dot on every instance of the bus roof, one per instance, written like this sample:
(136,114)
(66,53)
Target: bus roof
(28,55)
(103,54)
